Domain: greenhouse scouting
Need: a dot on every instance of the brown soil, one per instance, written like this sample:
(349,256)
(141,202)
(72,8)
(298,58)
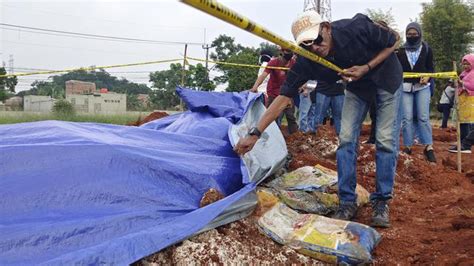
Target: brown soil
(211,196)
(432,213)
(148,118)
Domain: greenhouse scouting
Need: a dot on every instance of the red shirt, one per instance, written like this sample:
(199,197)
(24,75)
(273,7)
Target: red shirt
(277,76)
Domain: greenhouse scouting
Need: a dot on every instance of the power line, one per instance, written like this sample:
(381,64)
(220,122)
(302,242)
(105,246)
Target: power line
(39,10)
(70,47)
(96,36)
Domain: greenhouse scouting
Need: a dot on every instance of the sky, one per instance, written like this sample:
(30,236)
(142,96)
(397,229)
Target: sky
(157,20)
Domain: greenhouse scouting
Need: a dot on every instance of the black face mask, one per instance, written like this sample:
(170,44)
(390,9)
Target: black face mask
(287,56)
(413,39)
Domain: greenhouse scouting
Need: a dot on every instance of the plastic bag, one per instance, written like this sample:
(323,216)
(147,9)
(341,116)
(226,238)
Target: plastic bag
(329,240)
(307,178)
(313,189)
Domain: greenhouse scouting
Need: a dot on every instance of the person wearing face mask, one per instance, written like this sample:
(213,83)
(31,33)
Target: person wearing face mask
(277,77)
(416,56)
(366,52)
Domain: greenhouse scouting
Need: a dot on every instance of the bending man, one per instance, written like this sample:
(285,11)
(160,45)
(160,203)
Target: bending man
(366,51)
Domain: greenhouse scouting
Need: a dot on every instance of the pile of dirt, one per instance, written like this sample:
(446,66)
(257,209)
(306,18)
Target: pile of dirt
(238,243)
(211,196)
(153,116)
(432,213)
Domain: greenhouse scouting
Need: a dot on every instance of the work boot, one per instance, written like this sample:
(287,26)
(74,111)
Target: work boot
(407,150)
(429,154)
(346,211)
(380,214)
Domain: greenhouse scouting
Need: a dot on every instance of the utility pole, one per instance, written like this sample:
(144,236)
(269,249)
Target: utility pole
(183,72)
(323,7)
(207,47)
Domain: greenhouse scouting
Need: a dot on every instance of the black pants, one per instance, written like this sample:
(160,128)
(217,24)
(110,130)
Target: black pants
(289,112)
(468,139)
(445,108)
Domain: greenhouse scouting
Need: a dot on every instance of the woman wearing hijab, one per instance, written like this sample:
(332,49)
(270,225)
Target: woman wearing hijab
(416,56)
(466,84)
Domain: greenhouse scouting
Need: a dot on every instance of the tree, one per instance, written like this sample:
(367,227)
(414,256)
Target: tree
(238,78)
(47,88)
(380,15)
(164,96)
(448,29)
(133,103)
(242,78)
(6,83)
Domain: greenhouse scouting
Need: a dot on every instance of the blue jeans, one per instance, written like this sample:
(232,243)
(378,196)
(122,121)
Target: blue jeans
(306,113)
(387,133)
(321,107)
(421,99)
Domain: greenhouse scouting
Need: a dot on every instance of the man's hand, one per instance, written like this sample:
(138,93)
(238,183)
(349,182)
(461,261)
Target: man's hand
(354,73)
(245,145)
(424,80)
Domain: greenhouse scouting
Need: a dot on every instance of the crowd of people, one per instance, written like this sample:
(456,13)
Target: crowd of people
(373,63)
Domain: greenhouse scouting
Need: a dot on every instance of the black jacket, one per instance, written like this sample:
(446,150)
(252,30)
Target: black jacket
(356,42)
(424,64)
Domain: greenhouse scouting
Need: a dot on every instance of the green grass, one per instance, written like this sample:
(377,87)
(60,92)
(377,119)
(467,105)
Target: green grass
(118,119)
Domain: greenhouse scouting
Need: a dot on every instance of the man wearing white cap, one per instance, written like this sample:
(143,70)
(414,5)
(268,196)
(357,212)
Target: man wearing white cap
(366,52)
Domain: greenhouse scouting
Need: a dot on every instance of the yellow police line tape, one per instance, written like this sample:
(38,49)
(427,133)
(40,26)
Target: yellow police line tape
(88,68)
(224,13)
(218,10)
(235,64)
(439,75)
(451,74)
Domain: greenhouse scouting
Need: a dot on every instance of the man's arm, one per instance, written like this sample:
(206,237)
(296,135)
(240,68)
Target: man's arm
(278,105)
(259,81)
(378,37)
(356,72)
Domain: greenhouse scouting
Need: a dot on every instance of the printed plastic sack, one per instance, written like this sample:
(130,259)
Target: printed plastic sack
(266,200)
(329,240)
(313,189)
(312,202)
(307,178)
(466,108)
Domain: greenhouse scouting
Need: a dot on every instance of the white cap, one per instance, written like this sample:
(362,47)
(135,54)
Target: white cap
(306,26)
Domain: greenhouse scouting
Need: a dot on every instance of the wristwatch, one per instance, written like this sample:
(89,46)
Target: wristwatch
(255,132)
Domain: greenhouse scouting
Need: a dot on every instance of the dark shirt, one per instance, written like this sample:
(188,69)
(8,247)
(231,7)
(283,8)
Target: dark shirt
(424,64)
(356,41)
(327,89)
(277,76)
(330,89)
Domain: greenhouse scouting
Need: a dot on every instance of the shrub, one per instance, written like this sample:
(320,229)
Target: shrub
(63,108)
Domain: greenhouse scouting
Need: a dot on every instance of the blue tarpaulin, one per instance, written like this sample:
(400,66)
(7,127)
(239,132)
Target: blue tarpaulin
(92,193)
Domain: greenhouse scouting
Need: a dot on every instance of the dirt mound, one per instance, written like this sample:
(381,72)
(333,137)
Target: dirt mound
(432,213)
(238,243)
(153,116)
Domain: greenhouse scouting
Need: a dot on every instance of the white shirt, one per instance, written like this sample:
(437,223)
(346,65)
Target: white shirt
(263,87)
(447,94)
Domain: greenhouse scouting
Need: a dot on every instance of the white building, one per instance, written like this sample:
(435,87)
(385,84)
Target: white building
(37,103)
(98,103)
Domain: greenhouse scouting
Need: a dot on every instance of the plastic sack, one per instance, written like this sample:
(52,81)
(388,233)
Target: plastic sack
(307,178)
(313,189)
(329,240)
(312,202)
